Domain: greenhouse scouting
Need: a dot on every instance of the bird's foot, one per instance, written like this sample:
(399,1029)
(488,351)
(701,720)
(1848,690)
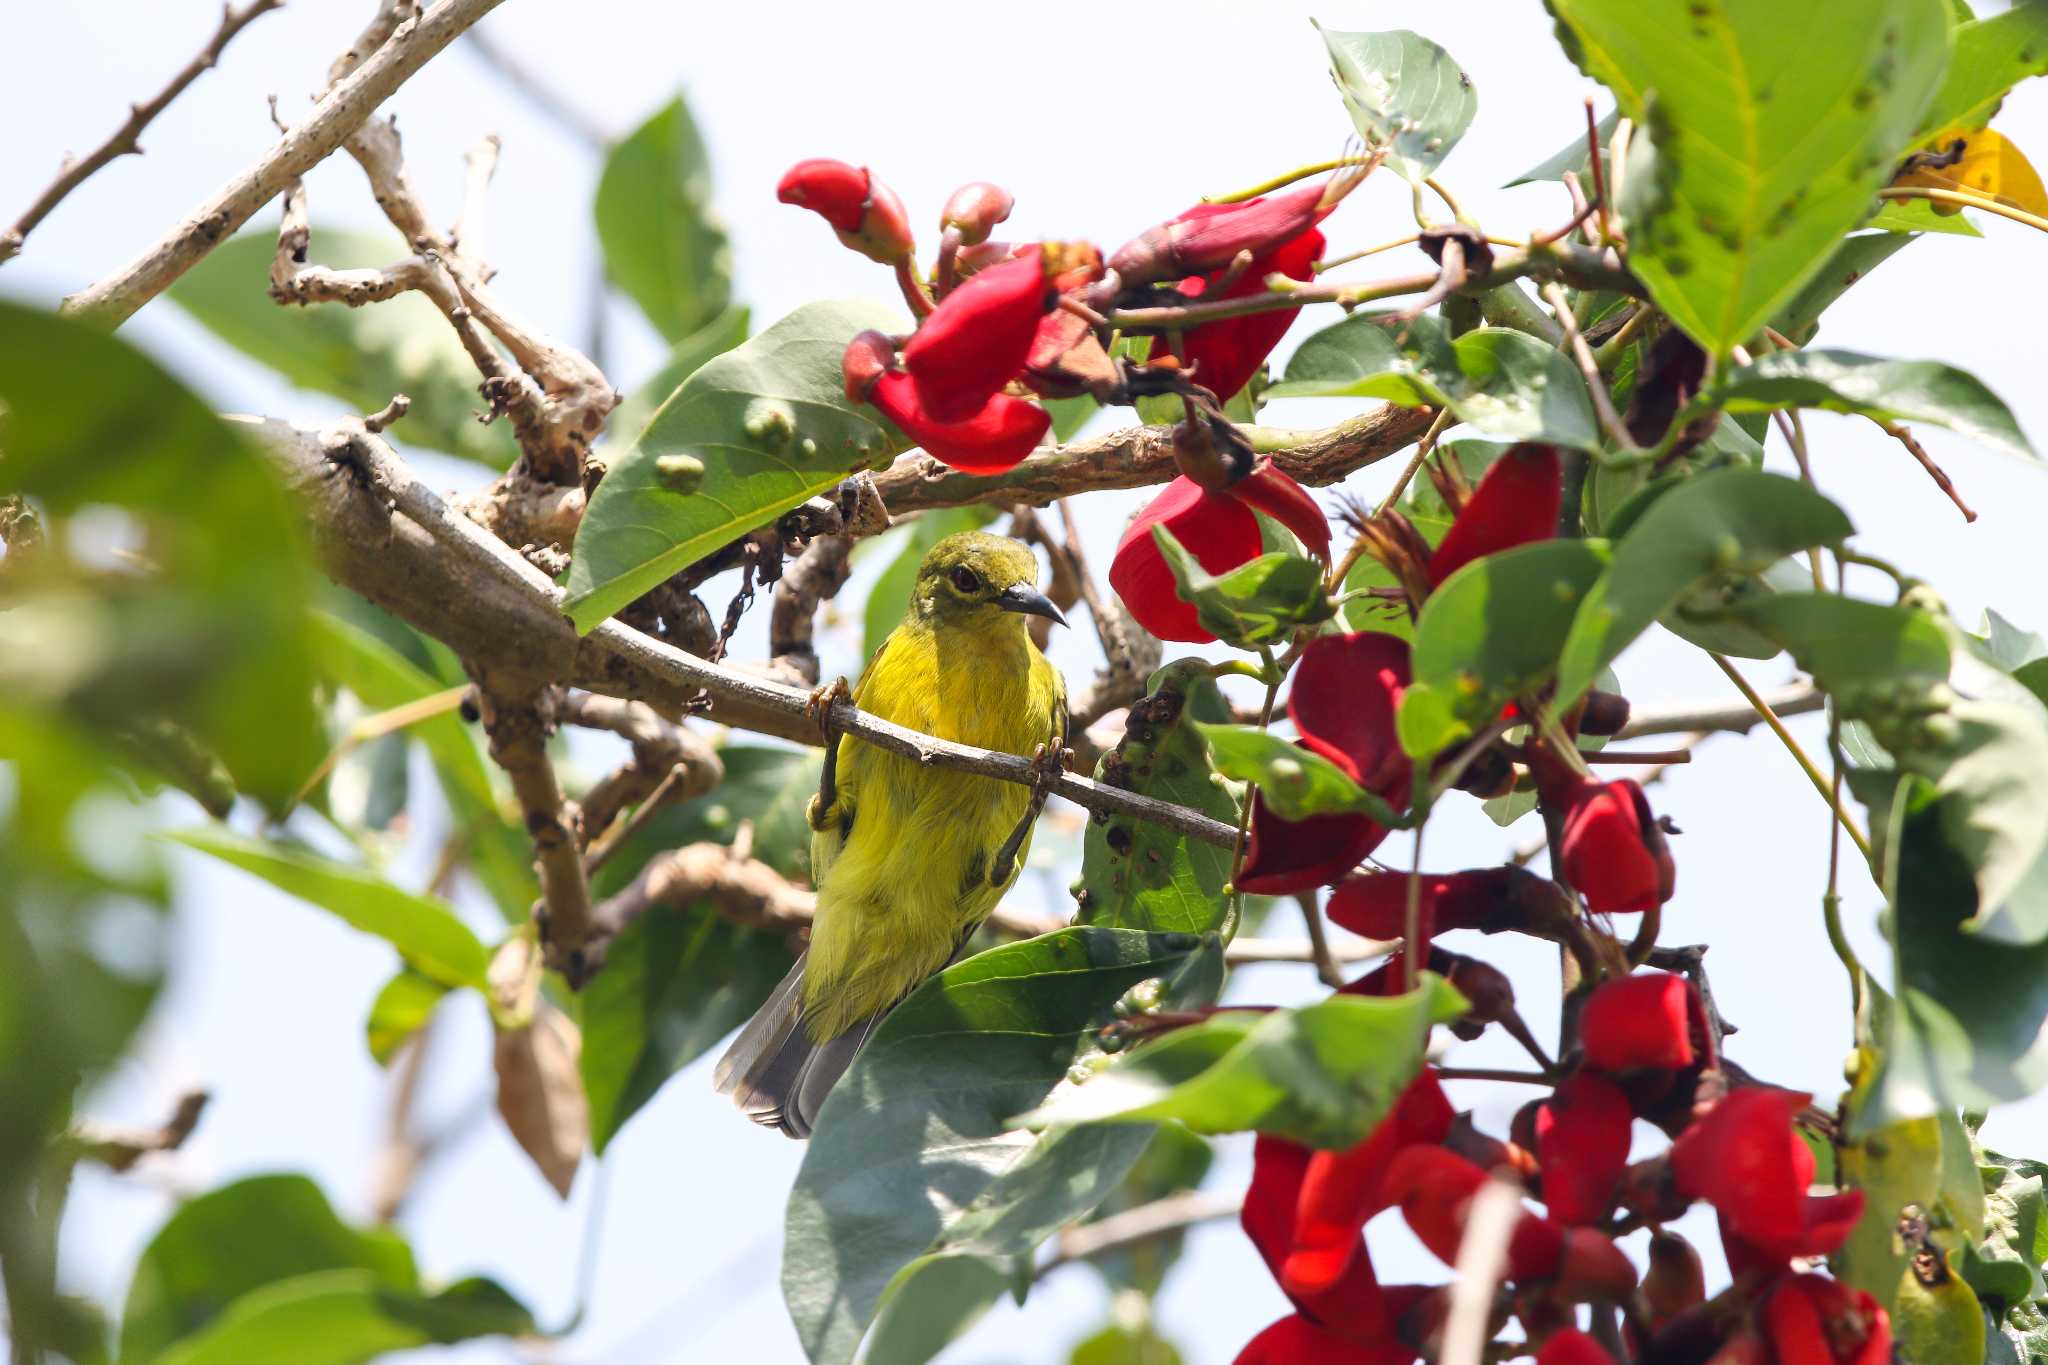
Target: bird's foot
(1048,764)
(819,707)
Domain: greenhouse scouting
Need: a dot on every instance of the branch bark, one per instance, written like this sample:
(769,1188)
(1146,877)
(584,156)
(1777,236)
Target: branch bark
(344,109)
(1738,719)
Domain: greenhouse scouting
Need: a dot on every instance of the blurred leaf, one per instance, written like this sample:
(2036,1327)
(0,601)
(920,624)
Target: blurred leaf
(1403,93)
(772,426)
(1991,56)
(1888,390)
(889,599)
(1139,875)
(1322,1075)
(914,1152)
(691,354)
(540,1093)
(1176,1162)
(1939,1323)
(2008,646)
(401,1010)
(1499,382)
(1758,171)
(1492,631)
(346,1317)
(1121,1345)
(930,1302)
(1919,215)
(1258,602)
(1854,649)
(663,246)
(424,930)
(1987,163)
(1729,521)
(1575,156)
(360,355)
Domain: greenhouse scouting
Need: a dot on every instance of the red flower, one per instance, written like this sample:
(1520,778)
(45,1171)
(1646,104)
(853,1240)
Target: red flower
(990,440)
(1582,1139)
(1226,354)
(1375,904)
(865,213)
(1812,1320)
(1352,1304)
(1743,1157)
(1647,1020)
(1219,530)
(1570,1346)
(979,337)
(1345,693)
(1341,1190)
(1516,502)
(1208,238)
(975,209)
(1614,850)
(1295,1340)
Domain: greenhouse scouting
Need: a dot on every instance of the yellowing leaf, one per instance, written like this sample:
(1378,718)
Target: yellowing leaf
(1987,165)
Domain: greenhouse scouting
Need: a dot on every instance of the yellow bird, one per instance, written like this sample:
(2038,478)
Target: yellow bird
(909,860)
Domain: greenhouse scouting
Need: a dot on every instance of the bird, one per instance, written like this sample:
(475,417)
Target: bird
(908,859)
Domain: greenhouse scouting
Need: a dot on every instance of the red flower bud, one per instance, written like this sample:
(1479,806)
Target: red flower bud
(1209,237)
(1219,531)
(1578,1265)
(1341,1190)
(1375,904)
(1647,1020)
(1516,502)
(1614,850)
(1572,1347)
(979,337)
(1294,1340)
(1812,1320)
(989,441)
(865,213)
(1226,354)
(1582,1139)
(975,209)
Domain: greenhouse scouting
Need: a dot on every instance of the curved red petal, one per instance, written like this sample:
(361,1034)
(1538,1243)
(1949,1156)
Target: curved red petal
(1572,1347)
(1614,852)
(1738,1157)
(834,190)
(1341,1190)
(1345,693)
(1284,856)
(992,439)
(1516,502)
(979,337)
(1228,353)
(1644,1020)
(1217,530)
(1271,491)
(1582,1139)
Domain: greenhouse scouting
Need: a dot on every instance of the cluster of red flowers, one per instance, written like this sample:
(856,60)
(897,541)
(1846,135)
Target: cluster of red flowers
(1646,1052)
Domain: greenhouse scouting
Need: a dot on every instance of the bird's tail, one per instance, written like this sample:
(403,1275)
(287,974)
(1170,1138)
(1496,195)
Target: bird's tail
(775,1072)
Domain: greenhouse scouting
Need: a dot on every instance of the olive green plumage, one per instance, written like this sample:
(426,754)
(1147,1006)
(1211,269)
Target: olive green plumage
(905,856)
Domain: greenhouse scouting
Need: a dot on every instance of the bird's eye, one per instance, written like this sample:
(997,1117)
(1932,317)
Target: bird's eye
(966,580)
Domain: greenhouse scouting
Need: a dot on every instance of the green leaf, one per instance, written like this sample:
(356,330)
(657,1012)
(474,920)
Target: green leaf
(400,1010)
(1258,602)
(1921,215)
(1492,632)
(1403,92)
(237,1239)
(1897,1166)
(2008,646)
(914,1152)
(1139,875)
(685,358)
(663,246)
(1575,156)
(423,929)
(1887,390)
(1175,1163)
(1498,382)
(1991,56)
(1863,654)
(1773,130)
(1118,1344)
(1729,521)
(889,597)
(1323,1075)
(1855,258)
(930,1302)
(2004,1266)
(1295,782)
(360,355)
(346,1317)
(771,423)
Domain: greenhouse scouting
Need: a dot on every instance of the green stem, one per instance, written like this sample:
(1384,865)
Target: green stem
(1799,755)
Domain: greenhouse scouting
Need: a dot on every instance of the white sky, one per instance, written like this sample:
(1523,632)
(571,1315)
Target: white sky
(1102,119)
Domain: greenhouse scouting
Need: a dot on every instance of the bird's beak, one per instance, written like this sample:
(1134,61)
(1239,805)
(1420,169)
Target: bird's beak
(1029,601)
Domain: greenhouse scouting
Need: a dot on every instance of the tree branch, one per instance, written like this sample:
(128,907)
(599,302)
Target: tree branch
(1710,716)
(517,720)
(1145,1223)
(340,113)
(76,171)
(120,1148)
(669,763)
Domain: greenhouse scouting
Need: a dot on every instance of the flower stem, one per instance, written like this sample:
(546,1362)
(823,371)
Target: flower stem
(1964,199)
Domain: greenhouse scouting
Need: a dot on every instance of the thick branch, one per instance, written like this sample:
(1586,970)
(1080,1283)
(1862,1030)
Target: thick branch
(344,109)
(518,722)
(76,171)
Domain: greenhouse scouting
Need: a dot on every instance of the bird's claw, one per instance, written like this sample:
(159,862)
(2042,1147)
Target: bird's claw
(1048,765)
(819,707)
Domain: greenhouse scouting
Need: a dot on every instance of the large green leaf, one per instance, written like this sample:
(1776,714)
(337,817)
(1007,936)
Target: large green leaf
(1493,630)
(770,423)
(423,929)
(663,246)
(1136,874)
(360,355)
(1498,382)
(914,1152)
(1864,654)
(1888,390)
(1991,56)
(1261,601)
(1404,93)
(1773,126)
(1323,1075)
(933,1300)
(1731,521)
(347,1317)
(685,358)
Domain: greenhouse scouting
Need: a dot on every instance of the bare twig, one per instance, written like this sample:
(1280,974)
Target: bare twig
(815,576)
(1145,1223)
(1319,940)
(517,721)
(1589,366)
(1695,716)
(1904,436)
(124,141)
(339,114)
(669,764)
(120,1148)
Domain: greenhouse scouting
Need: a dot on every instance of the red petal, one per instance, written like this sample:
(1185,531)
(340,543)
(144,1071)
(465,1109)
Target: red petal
(1738,1157)
(1572,1347)
(1434,1187)
(1294,1340)
(1208,236)
(1517,502)
(1283,856)
(1640,1021)
(1614,852)
(1217,530)
(979,337)
(1271,491)
(1351,1302)
(1228,353)
(1375,904)
(991,440)
(1582,1139)
(1345,693)
(834,190)
(1341,1190)
(1812,1320)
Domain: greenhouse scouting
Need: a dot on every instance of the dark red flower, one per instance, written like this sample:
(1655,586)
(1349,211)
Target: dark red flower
(1219,530)
(1812,1320)
(1225,355)
(1614,850)
(1646,1020)
(979,337)
(865,213)
(1351,1304)
(1375,904)
(1744,1157)
(993,439)
(1582,1139)
(1295,1340)
(1346,691)
(1572,1347)
(1209,238)
(975,209)
(1516,502)
(1341,1190)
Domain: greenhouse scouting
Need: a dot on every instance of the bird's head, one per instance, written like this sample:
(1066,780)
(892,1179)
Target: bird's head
(974,579)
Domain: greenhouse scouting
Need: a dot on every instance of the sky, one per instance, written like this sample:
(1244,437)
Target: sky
(1102,119)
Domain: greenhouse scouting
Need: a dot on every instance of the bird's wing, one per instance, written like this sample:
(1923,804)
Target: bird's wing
(848,770)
